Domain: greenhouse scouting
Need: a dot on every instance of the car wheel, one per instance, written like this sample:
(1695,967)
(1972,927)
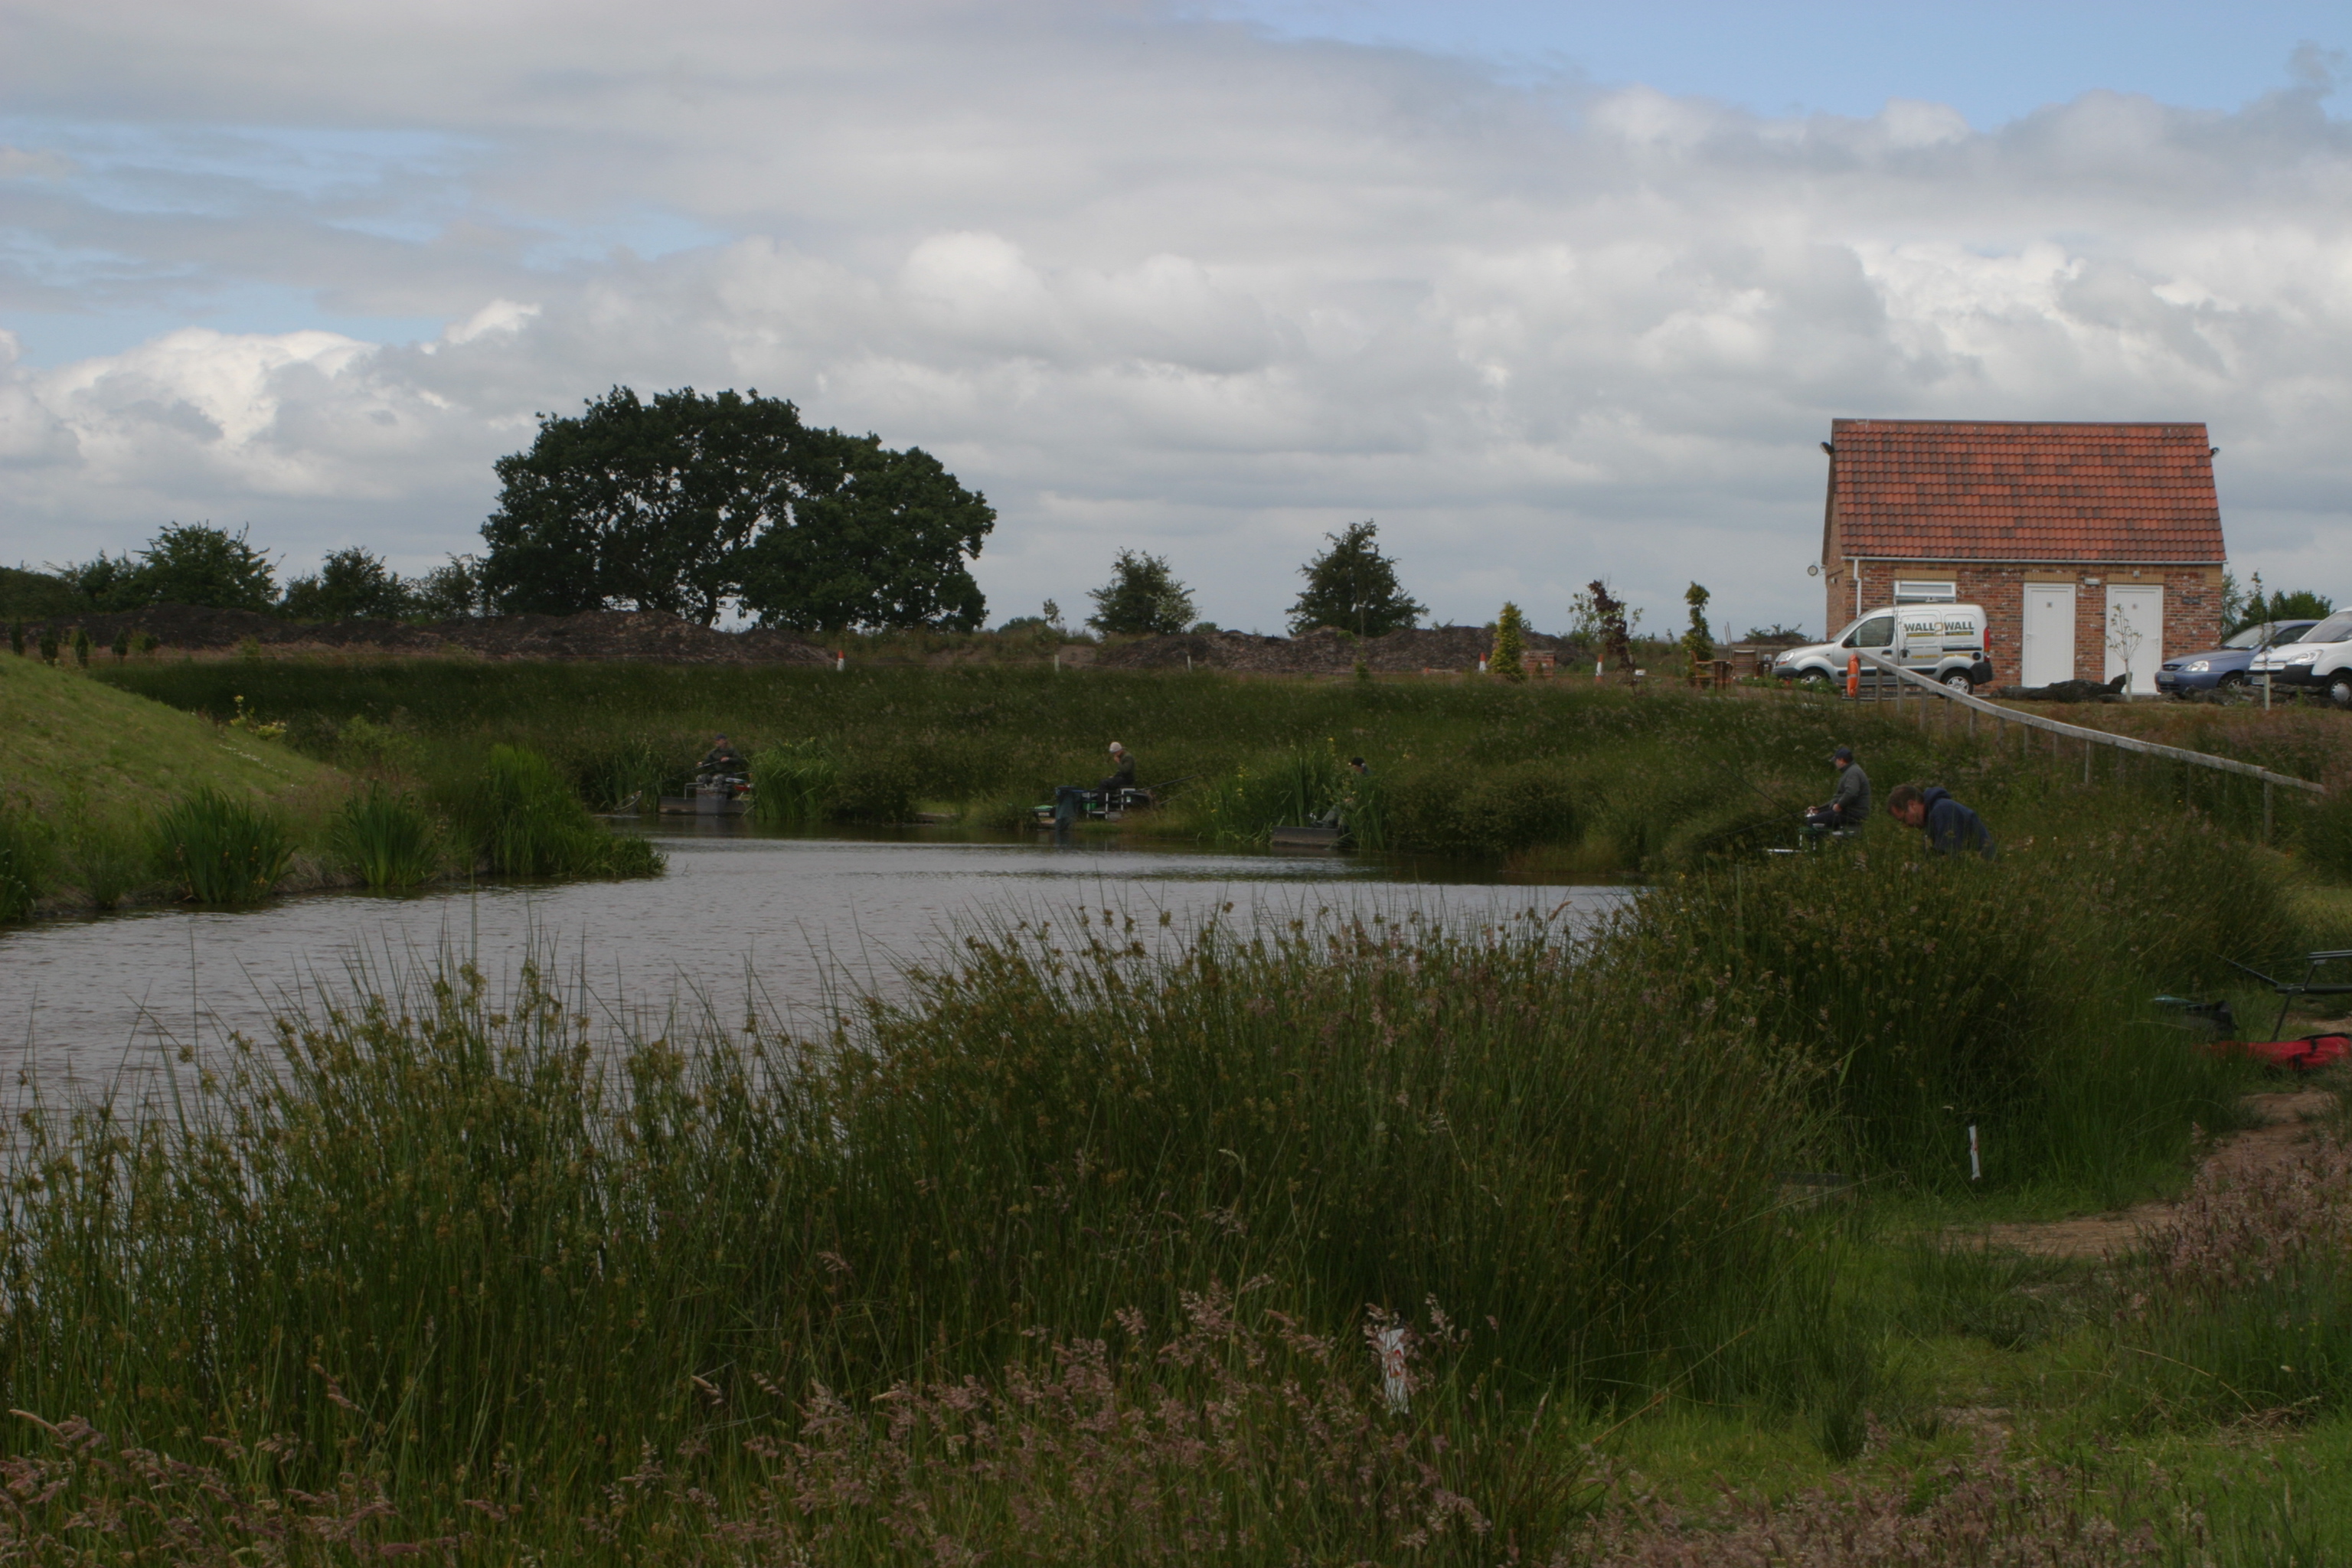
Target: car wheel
(2231,687)
(2339,689)
(1958,681)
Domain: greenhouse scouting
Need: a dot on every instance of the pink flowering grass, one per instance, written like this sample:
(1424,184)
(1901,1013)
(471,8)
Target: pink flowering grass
(1978,1514)
(2246,1308)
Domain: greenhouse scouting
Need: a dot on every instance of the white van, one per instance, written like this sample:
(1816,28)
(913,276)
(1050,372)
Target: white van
(1942,642)
(2320,660)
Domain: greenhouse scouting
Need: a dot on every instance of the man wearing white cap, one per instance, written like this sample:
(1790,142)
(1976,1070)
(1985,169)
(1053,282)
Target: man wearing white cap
(1122,775)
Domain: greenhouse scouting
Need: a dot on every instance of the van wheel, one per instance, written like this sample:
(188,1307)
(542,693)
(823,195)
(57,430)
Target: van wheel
(1958,681)
(2340,690)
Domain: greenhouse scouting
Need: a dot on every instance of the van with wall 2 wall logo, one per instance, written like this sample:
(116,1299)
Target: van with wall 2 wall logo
(1942,642)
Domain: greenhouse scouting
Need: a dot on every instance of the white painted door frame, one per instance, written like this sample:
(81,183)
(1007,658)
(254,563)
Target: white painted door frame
(2046,651)
(2134,635)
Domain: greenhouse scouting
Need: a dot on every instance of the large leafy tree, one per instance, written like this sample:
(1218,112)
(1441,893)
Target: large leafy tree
(870,537)
(639,505)
(186,564)
(1351,585)
(1142,595)
(350,584)
(687,501)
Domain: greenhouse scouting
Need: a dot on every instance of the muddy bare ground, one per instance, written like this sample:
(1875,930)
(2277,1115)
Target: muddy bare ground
(2288,1117)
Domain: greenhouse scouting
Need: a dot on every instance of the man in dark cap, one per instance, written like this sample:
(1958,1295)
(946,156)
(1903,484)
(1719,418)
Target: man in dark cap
(1850,806)
(1951,829)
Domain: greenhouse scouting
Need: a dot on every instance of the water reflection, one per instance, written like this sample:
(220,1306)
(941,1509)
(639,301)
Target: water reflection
(741,917)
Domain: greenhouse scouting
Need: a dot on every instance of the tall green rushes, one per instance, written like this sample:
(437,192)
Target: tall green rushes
(797,784)
(520,818)
(446,1232)
(1930,994)
(387,838)
(221,849)
(25,862)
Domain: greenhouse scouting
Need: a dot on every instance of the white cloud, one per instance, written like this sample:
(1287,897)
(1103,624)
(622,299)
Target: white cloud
(1152,281)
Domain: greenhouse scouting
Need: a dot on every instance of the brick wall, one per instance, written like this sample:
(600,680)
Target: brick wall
(2192,602)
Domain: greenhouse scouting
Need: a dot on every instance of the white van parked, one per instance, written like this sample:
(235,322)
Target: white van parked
(2321,660)
(1942,642)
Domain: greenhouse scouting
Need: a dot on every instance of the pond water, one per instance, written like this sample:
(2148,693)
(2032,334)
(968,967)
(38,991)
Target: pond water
(741,919)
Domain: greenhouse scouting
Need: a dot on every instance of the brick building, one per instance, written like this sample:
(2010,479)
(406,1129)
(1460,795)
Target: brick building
(2088,545)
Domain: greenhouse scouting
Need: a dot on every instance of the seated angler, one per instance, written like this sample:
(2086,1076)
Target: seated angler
(723,758)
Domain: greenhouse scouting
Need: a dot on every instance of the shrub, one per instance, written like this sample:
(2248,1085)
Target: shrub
(386,837)
(221,849)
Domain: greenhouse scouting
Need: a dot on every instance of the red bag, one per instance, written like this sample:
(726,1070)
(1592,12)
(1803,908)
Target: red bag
(2305,1055)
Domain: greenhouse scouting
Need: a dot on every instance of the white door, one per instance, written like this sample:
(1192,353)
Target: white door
(2136,637)
(2049,652)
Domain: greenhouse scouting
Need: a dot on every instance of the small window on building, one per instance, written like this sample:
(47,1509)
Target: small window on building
(1922,592)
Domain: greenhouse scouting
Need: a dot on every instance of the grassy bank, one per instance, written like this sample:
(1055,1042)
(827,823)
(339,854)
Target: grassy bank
(110,797)
(1575,780)
(1084,1252)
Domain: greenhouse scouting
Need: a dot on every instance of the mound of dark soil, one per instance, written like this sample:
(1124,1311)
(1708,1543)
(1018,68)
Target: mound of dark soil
(1323,651)
(591,634)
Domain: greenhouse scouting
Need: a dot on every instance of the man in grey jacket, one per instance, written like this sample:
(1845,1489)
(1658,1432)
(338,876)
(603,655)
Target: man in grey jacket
(1850,806)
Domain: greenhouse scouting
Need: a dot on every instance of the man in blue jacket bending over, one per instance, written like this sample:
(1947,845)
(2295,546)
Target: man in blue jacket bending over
(1952,828)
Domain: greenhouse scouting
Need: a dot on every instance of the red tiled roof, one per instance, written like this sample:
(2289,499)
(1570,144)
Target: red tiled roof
(1932,490)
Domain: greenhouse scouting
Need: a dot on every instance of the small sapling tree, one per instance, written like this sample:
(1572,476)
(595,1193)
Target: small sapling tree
(1508,658)
(1602,624)
(1697,642)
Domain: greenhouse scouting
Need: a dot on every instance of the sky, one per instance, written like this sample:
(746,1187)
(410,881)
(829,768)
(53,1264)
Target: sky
(1551,292)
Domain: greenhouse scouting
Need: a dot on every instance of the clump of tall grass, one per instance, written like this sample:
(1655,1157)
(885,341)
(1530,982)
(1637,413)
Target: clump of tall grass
(797,784)
(25,862)
(522,819)
(2327,835)
(1294,785)
(221,849)
(106,858)
(1930,995)
(386,837)
(2247,1302)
